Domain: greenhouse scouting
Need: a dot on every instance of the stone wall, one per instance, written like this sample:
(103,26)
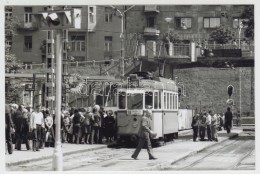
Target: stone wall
(206,88)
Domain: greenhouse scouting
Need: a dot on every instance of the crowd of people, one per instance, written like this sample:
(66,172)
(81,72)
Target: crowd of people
(210,123)
(36,128)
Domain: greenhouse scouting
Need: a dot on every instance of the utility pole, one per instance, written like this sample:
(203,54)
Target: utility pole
(122,52)
(57,155)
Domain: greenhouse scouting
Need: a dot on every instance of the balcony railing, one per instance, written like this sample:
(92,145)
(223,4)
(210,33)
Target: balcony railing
(149,31)
(28,26)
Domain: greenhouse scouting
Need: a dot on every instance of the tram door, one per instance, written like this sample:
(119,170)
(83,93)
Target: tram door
(169,115)
(157,114)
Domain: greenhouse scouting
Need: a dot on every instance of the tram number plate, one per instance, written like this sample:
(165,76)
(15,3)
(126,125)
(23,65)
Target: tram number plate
(135,112)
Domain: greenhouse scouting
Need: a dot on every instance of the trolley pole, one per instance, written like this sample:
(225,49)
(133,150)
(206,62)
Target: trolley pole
(57,162)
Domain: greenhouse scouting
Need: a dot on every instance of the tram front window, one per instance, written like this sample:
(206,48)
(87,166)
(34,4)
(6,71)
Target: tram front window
(135,101)
(148,100)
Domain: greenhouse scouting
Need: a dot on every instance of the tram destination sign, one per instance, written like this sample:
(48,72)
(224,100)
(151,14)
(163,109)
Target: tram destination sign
(133,83)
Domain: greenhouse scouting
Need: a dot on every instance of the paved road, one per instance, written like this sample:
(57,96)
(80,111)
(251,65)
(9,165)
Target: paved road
(236,154)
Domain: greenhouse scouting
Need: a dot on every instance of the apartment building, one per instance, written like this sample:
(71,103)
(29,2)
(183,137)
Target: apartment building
(97,39)
(190,22)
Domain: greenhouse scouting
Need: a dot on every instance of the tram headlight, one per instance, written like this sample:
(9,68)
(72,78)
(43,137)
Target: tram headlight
(135,123)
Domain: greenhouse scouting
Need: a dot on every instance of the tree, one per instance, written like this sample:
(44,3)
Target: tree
(11,63)
(248,13)
(222,34)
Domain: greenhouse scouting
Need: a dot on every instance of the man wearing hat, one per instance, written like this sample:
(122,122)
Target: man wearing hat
(144,136)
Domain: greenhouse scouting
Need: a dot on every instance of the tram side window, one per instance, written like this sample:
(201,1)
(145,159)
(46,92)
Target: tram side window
(148,100)
(155,103)
(121,100)
(160,98)
(165,100)
(168,101)
(171,103)
(175,101)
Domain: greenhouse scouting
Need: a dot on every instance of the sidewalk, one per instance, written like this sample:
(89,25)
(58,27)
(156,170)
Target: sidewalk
(181,148)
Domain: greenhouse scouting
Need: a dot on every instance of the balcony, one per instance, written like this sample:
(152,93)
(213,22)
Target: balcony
(32,26)
(148,31)
(151,8)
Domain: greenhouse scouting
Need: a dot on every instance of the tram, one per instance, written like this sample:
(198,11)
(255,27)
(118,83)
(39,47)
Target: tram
(142,92)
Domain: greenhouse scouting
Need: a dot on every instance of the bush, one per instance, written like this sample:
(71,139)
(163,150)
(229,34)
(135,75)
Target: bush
(222,35)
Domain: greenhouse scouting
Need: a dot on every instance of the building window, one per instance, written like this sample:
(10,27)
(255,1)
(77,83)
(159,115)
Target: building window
(237,21)
(181,22)
(29,64)
(108,15)
(211,22)
(8,42)
(108,43)
(49,35)
(28,43)
(28,14)
(151,21)
(49,48)
(8,13)
(91,14)
(78,43)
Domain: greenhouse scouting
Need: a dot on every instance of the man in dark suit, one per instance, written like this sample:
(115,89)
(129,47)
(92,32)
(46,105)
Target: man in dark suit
(144,136)
(8,126)
(228,120)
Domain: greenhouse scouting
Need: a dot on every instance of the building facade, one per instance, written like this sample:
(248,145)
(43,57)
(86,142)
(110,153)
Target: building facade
(98,38)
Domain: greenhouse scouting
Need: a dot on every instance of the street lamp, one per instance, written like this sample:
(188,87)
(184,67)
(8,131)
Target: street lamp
(122,54)
(239,27)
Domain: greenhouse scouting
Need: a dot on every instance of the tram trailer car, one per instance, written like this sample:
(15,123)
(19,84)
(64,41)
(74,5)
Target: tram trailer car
(142,92)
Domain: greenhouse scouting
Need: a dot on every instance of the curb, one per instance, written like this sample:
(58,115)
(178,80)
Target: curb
(168,163)
(50,156)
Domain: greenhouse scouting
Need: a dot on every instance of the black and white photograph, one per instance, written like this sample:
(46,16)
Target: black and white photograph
(152,86)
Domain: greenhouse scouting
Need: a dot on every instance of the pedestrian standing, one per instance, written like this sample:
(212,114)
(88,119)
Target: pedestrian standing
(76,125)
(37,122)
(102,132)
(202,126)
(220,122)
(21,127)
(96,126)
(144,136)
(109,126)
(195,126)
(228,120)
(8,127)
(13,108)
(208,123)
(43,135)
(214,126)
(86,126)
(66,121)
(49,135)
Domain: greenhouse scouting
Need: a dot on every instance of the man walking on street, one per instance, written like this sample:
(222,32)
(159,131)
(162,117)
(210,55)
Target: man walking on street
(37,122)
(208,123)
(228,120)
(144,136)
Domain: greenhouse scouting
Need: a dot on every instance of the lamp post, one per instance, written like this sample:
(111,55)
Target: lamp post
(239,27)
(122,52)
(57,155)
